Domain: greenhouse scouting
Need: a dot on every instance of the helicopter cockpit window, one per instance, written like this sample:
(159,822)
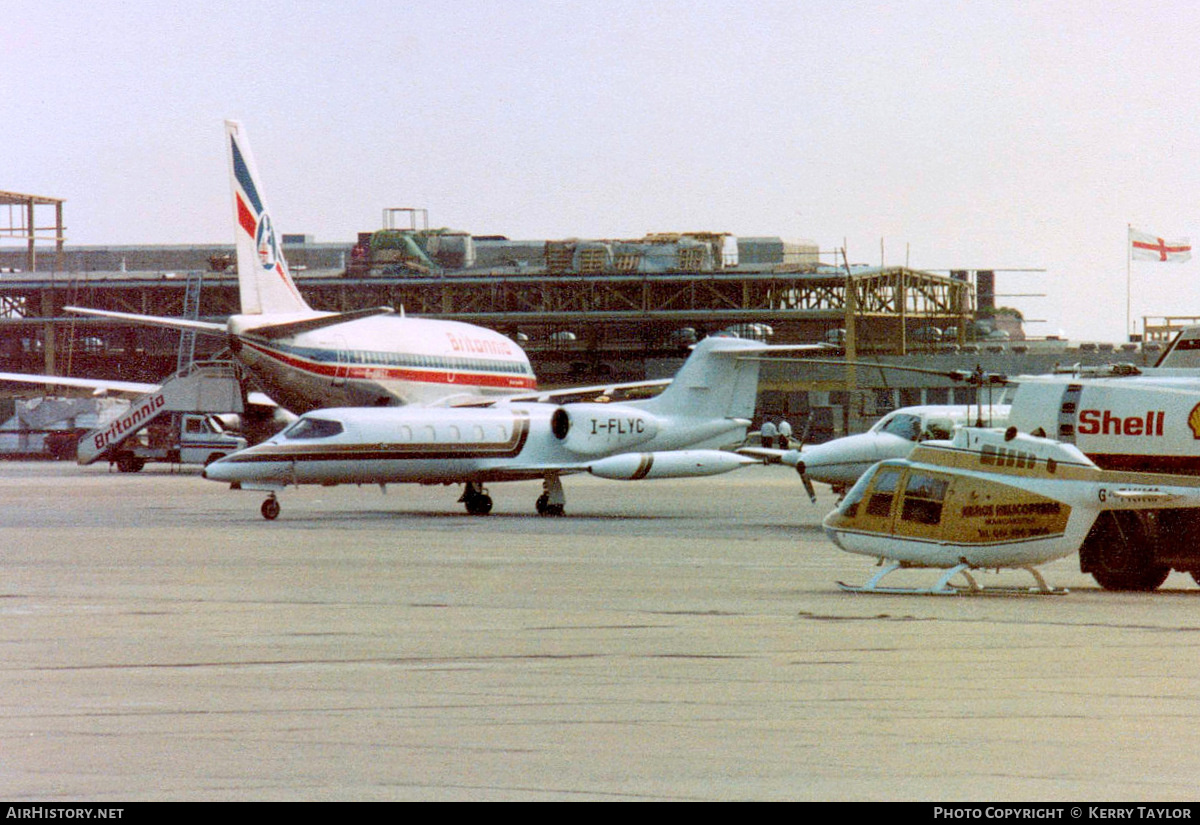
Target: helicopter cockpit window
(904,425)
(923,496)
(880,502)
(308,428)
(848,506)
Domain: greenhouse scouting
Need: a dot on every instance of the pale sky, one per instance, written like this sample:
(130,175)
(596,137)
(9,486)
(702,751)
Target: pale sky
(979,134)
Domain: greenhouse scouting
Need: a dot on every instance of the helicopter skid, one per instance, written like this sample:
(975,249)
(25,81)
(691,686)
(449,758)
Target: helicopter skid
(943,587)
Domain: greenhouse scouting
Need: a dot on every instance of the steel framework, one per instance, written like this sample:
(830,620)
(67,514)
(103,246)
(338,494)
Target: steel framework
(610,316)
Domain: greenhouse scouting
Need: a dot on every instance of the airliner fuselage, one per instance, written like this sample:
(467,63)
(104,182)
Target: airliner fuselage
(383,360)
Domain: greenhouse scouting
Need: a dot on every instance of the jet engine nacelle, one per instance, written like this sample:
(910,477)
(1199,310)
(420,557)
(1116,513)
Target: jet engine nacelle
(669,464)
(593,429)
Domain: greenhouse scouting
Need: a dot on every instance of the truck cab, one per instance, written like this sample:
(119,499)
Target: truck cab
(183,438)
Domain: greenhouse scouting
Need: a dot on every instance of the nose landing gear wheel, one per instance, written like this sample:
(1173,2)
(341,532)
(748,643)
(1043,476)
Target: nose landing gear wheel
(270,509)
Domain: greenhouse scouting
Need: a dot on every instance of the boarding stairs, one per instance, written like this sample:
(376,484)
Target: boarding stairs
(200,387)
(191,311)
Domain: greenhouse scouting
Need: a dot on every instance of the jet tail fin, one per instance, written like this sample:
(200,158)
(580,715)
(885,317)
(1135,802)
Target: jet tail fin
(265,283)
(714,382)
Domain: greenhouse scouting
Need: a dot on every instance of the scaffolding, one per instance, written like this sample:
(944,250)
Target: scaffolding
(23,221)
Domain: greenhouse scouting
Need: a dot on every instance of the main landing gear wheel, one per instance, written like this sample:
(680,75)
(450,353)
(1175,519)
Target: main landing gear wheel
(551,502)
(478,502)
(479,505)
(270,509)
(545,508)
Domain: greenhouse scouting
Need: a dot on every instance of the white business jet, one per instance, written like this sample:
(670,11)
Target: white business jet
(677,434)
(306,360)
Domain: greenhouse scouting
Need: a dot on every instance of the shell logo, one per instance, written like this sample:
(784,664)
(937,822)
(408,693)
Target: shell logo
(1194,421)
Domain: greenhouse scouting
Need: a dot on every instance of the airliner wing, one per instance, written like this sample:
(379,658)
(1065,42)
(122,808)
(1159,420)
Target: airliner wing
(208,327)
(642,389)
(629,390)
(98,386)
(610,392)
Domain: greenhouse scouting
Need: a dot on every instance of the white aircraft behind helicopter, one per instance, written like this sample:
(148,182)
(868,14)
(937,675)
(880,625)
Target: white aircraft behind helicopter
(989,499)
(841,461)
(1145,420)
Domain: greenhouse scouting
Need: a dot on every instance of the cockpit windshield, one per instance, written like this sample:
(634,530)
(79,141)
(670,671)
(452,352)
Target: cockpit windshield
(308,428)
(902,424)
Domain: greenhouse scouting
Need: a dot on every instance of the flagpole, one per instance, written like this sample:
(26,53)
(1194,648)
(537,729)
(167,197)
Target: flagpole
(1128,267)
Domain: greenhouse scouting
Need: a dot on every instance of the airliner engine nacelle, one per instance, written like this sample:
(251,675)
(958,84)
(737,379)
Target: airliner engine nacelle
(592,429)
(669,464)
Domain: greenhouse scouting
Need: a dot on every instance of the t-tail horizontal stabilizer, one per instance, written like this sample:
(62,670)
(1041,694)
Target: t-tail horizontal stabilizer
(207,327)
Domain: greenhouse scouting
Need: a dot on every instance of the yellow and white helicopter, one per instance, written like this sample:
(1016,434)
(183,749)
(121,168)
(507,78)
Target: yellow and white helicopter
(991,499)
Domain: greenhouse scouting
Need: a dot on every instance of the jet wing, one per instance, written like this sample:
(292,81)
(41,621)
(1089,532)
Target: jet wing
(96,385)
(770,455)
(609,392)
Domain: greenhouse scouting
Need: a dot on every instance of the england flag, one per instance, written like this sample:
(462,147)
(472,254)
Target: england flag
(1144,247)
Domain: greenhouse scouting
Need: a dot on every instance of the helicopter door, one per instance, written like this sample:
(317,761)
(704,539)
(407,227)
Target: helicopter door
(919,514)
(874,512)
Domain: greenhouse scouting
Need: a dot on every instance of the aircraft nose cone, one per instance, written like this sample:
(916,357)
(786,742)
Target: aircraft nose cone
(216,471)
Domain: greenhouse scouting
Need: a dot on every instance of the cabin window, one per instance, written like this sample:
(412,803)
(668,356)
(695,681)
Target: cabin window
(923,496)
(307,428)
(880,502)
